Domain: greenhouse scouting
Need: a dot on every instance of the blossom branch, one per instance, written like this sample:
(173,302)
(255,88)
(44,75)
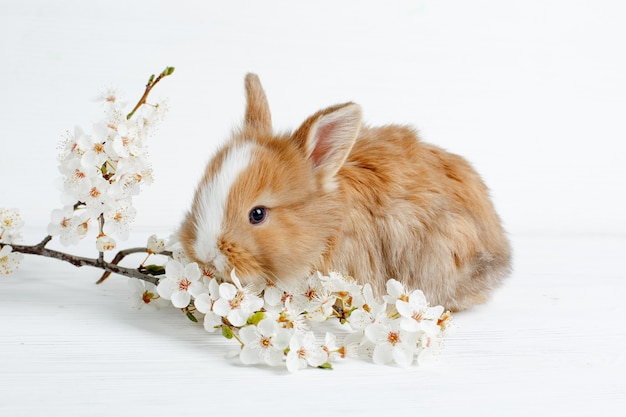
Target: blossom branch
(78,261)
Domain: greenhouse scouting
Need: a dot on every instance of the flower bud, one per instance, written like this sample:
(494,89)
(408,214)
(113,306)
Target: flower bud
(105,243)
(155,245)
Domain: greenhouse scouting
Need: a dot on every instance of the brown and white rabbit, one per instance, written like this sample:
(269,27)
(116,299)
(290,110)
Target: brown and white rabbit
(335,195)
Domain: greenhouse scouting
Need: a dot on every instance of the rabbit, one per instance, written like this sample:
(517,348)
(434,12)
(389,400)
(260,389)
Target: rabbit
(373,203)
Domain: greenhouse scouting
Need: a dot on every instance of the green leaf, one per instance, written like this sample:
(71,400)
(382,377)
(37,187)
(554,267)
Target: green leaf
(168,71)
(155,269)
(256,318)
(191,317)
(227,332)
(326,365)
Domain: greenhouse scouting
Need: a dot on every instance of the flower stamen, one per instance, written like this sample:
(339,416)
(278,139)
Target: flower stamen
(393,338)
(184,284)
(265,342)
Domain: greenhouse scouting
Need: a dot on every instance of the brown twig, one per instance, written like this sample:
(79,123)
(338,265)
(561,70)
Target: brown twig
(151,83)
(124,253)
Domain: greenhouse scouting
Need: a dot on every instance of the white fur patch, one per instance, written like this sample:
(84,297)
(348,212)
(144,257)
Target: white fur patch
(213,198)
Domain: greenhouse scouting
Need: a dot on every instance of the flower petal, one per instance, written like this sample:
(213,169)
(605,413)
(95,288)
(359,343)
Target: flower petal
(267,327)
(135,285)
(316,356)
(252,304)
(227,290)
(402,354)
(418,300)
(249,335)
(410,324)
(382,354)
(273,357)
(192,272)
(235,279)
(166,287)
(376,332)
(294,362)
(249,355)
(272,295)
(395,288)
(196,288)
(212,321)
(221,307)
(181,299)
(214,288)
(405,309)
(236,317)
(282,338)
(174,269)
(433,313)
(203,303)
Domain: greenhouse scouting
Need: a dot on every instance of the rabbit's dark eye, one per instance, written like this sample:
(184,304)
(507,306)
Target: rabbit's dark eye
(258,215)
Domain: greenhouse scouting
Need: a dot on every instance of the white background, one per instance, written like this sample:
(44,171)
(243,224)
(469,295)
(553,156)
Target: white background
(533,93)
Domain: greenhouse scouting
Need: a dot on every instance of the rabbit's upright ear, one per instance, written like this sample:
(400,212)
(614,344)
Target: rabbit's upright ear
(327,137)
(257,118)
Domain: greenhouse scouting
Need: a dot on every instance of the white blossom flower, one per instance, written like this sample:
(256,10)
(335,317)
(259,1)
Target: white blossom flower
(272,294)
(9,260)
(368,312)
(292,318)
(303,352)
(429,349)
(149,117)
(309,290)
(346,288)
(359,319)
(95,157)
(236,303)
(70,148)
(143,293)
(395,291)
(263,343)
(126,140)
(212,322)
(204,301)
(117,220)
(112,99)
(77,179)
(204,304)
(68,226)
(105,243)
(357,345)
(132,172)
(331,348)
(180,283)
(10,223)
(392,343)
(155,245)
(417,315)
(178,253)
(321,309)
(312,297)
(96,198)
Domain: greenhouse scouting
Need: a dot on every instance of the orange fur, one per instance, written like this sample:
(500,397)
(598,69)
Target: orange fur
(373,203)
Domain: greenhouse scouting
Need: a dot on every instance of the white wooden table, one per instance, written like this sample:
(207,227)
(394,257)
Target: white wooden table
(552,342)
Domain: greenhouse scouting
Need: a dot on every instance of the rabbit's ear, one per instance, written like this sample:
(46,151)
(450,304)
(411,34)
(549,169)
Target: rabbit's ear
(327,137)
(257,117)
